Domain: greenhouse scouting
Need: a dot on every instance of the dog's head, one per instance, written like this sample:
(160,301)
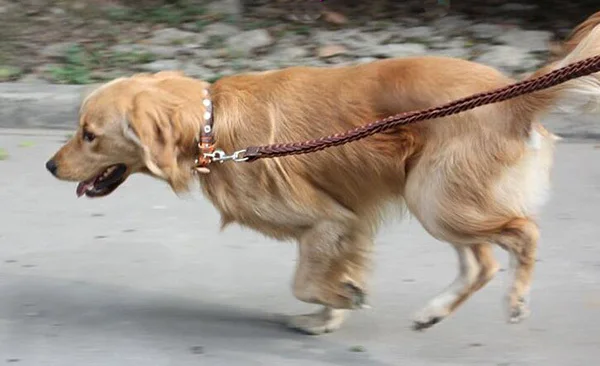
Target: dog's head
(142,124)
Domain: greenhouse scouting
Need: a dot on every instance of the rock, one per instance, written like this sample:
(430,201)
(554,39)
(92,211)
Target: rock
(231,8)
(220,30)
(422,32)
(163,52)
(290,53)
(57,50)
(359,40)
(173,36)
(534,41)
(451,25)
(326,37)
(249,42)
(365,60)
(107,75)
(213,63)
(186,51)
(127,48)
(191,49)
(32,79)
(189,26)
(398,50)
(160,65)
(57,11)
(331,50)
(456,47)
(437,42)
(4,7)
(80,5)
(334,18)
(264,65)
(452,52)
(507,58)
(455,43)
(486,30)
(197,71)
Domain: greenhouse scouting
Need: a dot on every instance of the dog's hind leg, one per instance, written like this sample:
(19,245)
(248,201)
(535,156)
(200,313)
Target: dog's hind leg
(331,271)
(477,267)
(519,237)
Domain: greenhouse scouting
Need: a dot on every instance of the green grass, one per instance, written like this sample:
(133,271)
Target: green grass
(172,14)
(9,73)
(301,29)
(3,154)
(202,23)
(80,62)
(259,24)
(122,59)
(76,68)
(70,74)
(27,144)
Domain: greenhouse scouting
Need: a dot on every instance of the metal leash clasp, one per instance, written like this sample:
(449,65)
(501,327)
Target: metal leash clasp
(221,157)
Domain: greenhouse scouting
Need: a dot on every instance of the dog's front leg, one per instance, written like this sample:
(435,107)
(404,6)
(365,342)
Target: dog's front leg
(331,272)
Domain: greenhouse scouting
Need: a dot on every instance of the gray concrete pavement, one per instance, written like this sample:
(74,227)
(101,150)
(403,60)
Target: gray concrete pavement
(144,278)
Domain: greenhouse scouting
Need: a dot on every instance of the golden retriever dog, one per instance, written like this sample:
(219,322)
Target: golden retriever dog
(474,180)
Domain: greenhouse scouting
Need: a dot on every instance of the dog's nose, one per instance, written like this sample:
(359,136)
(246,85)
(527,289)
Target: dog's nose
(51,166)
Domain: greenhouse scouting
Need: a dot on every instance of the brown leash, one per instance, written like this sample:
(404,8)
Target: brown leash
(578,69)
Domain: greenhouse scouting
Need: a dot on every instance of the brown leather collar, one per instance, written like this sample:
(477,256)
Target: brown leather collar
(206,139)
(207,153)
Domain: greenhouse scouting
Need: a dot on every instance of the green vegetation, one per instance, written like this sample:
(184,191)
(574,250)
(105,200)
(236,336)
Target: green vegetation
(79,62)
(172,14)
(9,73)
(3,154)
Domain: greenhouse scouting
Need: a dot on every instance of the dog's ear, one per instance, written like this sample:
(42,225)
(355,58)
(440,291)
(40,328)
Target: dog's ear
(152,125)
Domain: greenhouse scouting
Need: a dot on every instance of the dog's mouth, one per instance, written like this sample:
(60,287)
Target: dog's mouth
(104,183)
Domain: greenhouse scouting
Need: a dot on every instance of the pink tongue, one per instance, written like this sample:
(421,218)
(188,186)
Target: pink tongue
(83,187)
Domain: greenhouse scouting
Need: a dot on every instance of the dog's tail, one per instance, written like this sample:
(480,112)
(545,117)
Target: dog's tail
(576,36)
(581,95)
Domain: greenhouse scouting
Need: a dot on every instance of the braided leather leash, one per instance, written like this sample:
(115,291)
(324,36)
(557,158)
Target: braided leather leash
(578,69)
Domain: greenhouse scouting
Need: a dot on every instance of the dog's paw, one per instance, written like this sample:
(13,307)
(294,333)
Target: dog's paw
(321,322)
(427,318)
(357,297)
(518,310)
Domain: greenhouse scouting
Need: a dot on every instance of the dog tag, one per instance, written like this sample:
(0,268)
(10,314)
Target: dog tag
(203,170)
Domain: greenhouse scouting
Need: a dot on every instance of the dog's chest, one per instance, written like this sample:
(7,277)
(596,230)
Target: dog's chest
(259,208)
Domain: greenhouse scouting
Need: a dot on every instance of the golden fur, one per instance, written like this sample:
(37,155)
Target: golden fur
(473,180)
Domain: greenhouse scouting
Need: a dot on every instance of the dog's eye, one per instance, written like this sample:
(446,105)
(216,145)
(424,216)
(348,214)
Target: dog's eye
(88,136)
